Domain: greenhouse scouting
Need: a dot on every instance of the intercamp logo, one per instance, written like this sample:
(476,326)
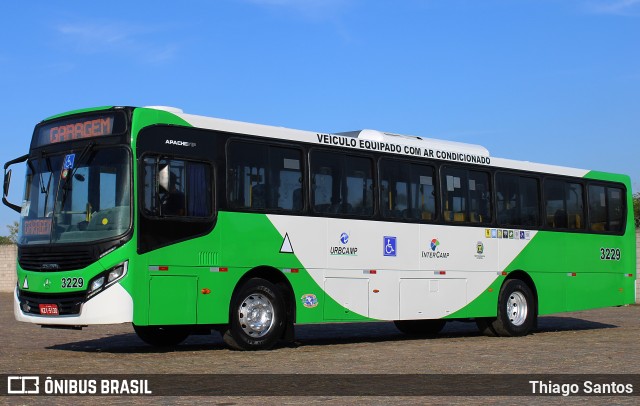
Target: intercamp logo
(435,251)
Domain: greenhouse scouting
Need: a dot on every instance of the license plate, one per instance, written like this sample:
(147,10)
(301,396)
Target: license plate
(49,309)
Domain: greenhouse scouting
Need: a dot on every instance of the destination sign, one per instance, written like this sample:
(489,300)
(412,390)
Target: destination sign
(36,227)
(77,129)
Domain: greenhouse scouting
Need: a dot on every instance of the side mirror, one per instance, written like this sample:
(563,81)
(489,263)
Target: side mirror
(7,182)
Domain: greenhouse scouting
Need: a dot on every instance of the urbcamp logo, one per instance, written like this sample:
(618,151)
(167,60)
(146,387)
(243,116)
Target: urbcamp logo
(343,249)
(435,251)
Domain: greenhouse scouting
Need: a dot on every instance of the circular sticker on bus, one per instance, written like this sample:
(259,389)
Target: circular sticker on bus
(309,300)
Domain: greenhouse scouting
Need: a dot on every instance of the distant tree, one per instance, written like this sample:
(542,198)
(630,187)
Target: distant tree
(636,208)
(13,234)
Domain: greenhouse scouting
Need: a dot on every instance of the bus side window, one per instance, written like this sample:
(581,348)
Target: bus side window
(517,200)
(341,183)
(286,176)
(466,195)
(606,208)
(264,177)
(564,205)
(176,188)
(407,190)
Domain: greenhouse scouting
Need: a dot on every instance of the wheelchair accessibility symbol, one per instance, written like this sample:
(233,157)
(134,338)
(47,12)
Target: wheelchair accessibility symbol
(390,247)
(68,161)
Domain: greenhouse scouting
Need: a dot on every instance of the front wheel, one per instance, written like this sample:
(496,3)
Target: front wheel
(257,317)
(516,311)
(161,336)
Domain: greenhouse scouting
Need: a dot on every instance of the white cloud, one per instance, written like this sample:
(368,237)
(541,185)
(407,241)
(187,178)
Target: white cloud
(616,7)
(315,9)
(127,39)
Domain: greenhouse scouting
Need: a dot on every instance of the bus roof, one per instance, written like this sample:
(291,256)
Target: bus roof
(416,145)
(366,140)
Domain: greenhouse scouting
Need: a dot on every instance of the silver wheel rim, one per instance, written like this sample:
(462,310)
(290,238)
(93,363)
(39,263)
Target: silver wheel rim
(256,315)
(517,308)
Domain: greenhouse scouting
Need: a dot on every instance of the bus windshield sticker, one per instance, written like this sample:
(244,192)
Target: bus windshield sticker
(26,205)
(68,161)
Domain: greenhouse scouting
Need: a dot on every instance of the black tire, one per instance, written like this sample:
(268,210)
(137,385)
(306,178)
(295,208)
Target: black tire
(420,327)
(485,325)
(257,317)
(161,336)
(516,312)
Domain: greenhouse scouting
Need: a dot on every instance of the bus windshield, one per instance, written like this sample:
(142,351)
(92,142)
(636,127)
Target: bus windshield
(80,195)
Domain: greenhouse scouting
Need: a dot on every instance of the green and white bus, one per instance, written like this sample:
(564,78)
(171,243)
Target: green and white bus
(183,224)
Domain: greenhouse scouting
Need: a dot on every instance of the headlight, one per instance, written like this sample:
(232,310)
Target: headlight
(96,284)
(107,278)
(116,273)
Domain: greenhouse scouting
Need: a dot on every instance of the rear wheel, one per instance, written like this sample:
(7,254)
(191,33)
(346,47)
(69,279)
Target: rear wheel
(257,317)
(420,327)
(516,311)
(161,336)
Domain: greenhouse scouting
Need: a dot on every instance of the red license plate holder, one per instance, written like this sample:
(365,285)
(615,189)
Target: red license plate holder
(49,309)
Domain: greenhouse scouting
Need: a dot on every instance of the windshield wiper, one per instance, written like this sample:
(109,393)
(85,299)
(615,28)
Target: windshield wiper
(44,190)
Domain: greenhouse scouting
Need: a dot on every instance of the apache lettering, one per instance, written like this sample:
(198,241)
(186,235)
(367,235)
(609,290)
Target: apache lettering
(180,143)
(343,250)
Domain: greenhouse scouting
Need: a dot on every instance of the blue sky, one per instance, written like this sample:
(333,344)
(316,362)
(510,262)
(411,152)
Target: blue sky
(552,81)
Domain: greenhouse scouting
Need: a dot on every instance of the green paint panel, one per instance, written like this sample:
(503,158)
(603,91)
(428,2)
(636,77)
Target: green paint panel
(172,299)
(240,242)
(552,259)
(256,242)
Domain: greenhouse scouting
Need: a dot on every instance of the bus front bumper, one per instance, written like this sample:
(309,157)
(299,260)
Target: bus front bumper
(112,306)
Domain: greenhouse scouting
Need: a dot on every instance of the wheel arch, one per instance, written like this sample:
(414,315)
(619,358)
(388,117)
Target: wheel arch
(526,278)
(276,277)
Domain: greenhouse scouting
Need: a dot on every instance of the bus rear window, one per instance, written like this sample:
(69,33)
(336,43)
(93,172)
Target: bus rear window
(606,208)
